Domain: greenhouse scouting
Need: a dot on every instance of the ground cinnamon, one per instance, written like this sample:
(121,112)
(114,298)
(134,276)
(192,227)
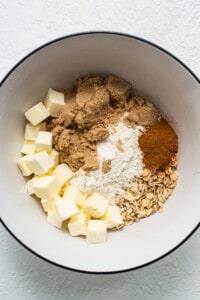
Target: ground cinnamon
(159,144)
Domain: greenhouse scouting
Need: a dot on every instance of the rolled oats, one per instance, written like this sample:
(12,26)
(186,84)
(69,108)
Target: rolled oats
(148,193)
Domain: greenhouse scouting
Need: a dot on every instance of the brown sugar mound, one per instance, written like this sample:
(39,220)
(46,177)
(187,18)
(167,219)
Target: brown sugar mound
(119,90)
(159,144)
(84,121)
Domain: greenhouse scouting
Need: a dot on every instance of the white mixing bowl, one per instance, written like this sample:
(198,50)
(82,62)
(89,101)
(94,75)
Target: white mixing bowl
(156,75)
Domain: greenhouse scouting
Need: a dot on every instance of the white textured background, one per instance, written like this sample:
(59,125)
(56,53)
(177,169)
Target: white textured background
(25,25)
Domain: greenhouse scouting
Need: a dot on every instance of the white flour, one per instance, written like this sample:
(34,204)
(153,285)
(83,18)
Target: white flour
(124,165)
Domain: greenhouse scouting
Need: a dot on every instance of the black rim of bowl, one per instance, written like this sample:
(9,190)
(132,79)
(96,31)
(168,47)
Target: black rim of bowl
(117,34)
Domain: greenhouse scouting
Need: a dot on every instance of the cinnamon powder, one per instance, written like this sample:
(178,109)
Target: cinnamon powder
(159,144)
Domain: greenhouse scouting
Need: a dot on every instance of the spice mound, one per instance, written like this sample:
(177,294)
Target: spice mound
(98,157)
(159,144)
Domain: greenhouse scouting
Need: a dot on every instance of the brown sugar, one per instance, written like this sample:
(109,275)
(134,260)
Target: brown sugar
(159,144)
(106,166)
(85,119)
(119,146)
(118,89)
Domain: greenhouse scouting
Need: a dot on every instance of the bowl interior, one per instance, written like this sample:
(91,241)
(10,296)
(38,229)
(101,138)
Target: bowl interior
(155,75)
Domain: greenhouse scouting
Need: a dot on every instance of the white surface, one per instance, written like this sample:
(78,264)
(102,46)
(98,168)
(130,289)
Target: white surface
(175,26)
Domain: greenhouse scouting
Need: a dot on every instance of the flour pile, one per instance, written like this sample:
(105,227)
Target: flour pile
(122,150)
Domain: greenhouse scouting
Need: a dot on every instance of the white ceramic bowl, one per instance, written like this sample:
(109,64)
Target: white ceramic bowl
(155,74)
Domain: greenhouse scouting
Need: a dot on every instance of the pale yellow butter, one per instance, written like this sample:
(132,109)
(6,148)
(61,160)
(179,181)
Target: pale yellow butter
(95,205)
(29,185)
(40,162)
(72,193)
(46,187)
(53,219)
(96,231)
(24,166)
(45,205)
(63,173)
(31,131)
(80,198)
(54,155)
(49,204)
(28,147)
(43,141)
(66,208)
(112,216)
(37,113)
(78,224)
(54,102)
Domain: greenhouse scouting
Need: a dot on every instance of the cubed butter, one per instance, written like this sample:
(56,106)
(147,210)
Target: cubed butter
(78,224)
(45,205)
(96,231)
(28,147)
(53,219)
(112,216)
(24,166)
(55,157)
(80,198)
(43,141)
(40,162)
(37,114)
(73,193)
(95,205)
(62,190)
(46,187)
(49,173)
(29,185)
(63,173)
(49,204)
(66,208)
(31,131)
(54,102)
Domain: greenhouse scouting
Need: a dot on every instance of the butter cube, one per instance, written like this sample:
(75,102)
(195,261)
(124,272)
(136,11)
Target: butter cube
(96,231)
(80,199)
(45,205)
(24,166)
(54,102)
(112,216)
(40,163)
(31,131)
(49,204)
(62,190)
(54,155)
(78,224)
(53,219)
(75,194)
(28,147)
(95,205)
(66,208)
(63,173)
(71,192)
(43,141)
(46,187)
(37,113)
(49,173)
(29,185)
